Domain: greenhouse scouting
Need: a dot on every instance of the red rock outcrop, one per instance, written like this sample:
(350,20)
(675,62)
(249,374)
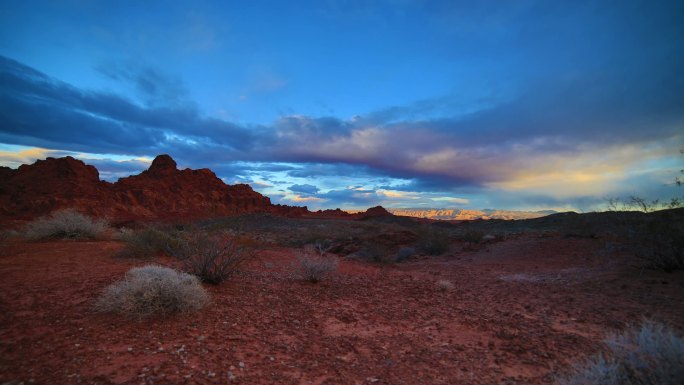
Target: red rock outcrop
(375,212)
(50,184)
(161,192)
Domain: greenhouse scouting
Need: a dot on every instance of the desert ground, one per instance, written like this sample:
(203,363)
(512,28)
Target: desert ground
(516,308)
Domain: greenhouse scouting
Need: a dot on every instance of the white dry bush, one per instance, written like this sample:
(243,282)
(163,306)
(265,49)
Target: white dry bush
(69,224)
(153,289)
(315,267)
(444,285)
(648,355)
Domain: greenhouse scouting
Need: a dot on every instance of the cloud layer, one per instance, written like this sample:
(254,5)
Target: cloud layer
(574,137)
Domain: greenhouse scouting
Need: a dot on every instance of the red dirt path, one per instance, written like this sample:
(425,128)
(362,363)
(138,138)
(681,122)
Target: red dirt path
(520,311)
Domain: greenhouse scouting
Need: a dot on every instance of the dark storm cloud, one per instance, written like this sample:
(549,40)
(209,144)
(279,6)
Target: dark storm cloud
(36,109)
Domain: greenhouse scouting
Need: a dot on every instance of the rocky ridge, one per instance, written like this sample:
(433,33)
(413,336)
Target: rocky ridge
(158,193)
(162,192)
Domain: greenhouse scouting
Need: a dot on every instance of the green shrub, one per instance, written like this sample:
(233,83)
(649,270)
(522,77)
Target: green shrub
(213,259)
(650,354)
(145,243)
(153,290)
(65,224)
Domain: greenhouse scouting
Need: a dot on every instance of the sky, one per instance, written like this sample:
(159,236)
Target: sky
(517,105)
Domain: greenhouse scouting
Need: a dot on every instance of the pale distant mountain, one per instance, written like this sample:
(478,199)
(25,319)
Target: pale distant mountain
(462,214)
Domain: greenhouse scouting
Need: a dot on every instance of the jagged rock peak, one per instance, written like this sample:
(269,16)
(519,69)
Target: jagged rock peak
(162,164)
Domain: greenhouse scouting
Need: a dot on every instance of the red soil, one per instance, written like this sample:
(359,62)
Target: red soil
(519,312)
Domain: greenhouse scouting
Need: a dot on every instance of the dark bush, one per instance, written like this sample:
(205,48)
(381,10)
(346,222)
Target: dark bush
(472,236)
(433,241)
(145,243)
(373,251)
(660,244)
(212,258)
(404,253)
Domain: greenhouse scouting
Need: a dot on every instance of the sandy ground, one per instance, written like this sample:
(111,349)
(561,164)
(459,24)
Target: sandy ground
(519,312)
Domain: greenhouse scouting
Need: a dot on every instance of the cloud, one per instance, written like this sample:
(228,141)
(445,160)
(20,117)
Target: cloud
(565,138)
(38,110)
(304,189)
(14,159)
(112,170)
(155,87)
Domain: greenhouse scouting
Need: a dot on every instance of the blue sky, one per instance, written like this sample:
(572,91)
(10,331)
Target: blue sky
(404,103)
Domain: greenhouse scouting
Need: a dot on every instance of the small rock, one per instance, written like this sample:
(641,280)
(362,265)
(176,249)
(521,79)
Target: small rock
(241,365)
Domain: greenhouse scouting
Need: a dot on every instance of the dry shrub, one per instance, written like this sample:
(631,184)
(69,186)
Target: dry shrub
(444,285)
(65,224)
(212,258)
(650,354)
(314,267)
(151,290)
(145,243)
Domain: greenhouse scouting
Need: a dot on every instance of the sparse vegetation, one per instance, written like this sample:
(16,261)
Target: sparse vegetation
(444,285)
(582,226)
(433,241)
(650,354)
(315,266)
(145,243)
(212,258)
(404,253)
(65,224)
(472,236)
(151,290)
(660,244)
(4,238)
(374,251)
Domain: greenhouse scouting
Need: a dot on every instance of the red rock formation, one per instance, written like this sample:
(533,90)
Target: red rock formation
(161,192)
(50,184)
(374,212)
(333,214)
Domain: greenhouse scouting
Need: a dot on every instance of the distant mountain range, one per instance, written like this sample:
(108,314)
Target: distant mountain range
(462,214)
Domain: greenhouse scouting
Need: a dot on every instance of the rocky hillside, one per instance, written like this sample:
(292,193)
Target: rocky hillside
(161,192)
